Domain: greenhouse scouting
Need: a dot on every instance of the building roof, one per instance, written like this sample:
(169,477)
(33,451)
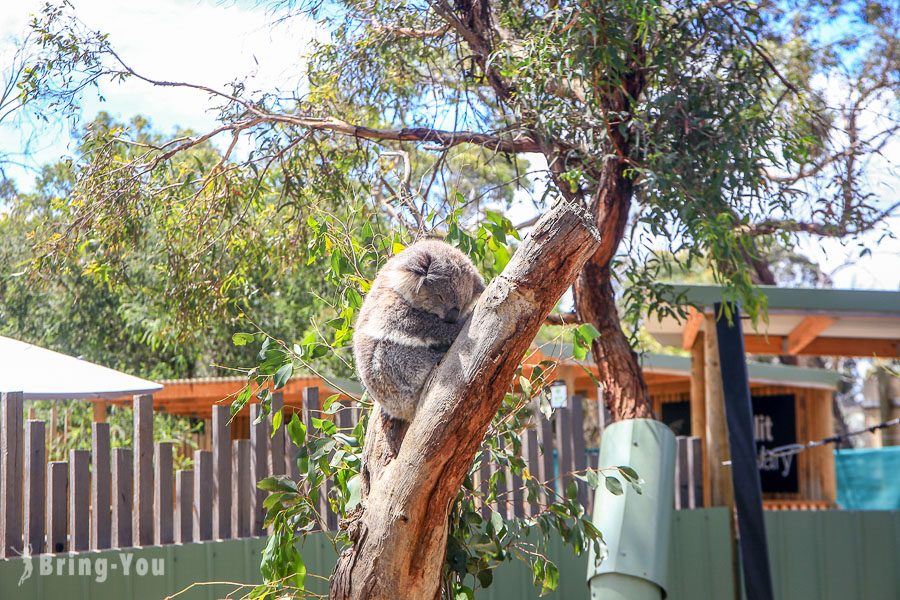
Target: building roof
(42,374)
(668,364)
(800,321)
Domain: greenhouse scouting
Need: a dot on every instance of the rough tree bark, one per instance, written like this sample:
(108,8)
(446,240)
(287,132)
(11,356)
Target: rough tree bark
(624,388)
(400,534)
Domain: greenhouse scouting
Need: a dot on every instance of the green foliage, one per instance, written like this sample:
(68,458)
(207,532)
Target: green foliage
(480,537)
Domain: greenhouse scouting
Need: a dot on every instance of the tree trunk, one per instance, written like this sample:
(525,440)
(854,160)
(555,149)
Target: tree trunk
(400,534)
(624,388)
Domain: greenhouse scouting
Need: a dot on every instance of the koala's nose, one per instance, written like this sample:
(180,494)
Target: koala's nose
(452,315)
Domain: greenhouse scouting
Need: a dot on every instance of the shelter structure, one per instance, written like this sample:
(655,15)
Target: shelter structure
(800,322)
(42,374)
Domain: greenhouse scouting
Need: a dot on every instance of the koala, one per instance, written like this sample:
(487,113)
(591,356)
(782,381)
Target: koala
(419,302)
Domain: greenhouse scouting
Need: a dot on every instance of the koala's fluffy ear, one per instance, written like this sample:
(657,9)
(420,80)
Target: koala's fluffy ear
(419,266)
(478,286)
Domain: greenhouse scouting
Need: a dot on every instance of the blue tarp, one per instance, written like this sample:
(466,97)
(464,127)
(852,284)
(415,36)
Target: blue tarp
(868,479)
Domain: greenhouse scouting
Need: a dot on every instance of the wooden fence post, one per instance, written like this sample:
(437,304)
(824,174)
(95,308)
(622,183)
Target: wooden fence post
(203,480)
(518,505)
(259,468)
(184,506)
(100,487)
(579,457)
(58,472)
(276,438)
(12,458)
(484,480)
(35,486)
(79,498)
(563,447)
(681,473)
(311,407)
(122,497)
(142,519)
(546,475)
(695,472)
(162,500)
(242,491)
(221,448)
(531,452)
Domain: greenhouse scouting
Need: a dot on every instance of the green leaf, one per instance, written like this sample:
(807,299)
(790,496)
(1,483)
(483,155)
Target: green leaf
(296,430)
(551,578)
(242,339)
(629,474)
(277,417)
(614,486)
(282,375)
(242,398)
(485,578)
(278,483)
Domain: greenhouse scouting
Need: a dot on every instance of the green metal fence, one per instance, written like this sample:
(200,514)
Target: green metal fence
(826,555)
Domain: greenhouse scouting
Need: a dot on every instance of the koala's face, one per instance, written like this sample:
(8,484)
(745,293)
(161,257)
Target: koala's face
(436,278)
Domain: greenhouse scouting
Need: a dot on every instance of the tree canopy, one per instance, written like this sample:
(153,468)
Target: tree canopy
(695,132)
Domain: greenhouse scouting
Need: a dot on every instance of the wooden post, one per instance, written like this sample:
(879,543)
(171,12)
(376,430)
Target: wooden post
(698,406)
(695,472)
(563,447)
(579,457)
(276,439)
(142,519)
(530,451)
(122,497)
(203,480)
(221,456)
(484,480)
(547,476)
(162,499)
(681,473)
(99,411)
(310,408)
(503,503)
(79,497)
(58,472)
(822,458)
(11,464)
(719,491)
(35,486)
(259,468)
(518,496)
(101,526)
(240,509)
(184,506)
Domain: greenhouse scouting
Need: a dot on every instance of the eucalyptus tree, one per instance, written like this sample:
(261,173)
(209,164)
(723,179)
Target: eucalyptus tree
(705,122)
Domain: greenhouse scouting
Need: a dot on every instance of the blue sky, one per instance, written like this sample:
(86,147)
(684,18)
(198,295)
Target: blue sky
(210,42)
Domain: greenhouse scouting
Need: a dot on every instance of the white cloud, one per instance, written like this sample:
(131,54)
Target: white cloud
(201,42)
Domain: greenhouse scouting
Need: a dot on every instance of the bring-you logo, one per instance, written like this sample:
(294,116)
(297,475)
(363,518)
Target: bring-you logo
(96,567)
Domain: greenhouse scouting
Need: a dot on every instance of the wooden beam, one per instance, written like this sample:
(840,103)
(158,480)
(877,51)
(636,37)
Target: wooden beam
(715,434)
(99,411)
(807,330)
(824,346)
(691,328)
(698,411)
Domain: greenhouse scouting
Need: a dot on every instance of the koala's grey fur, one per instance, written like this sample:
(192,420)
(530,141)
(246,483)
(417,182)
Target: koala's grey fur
(416,307)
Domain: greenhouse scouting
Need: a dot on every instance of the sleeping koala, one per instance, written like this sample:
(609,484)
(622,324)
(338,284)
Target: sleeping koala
(418,304)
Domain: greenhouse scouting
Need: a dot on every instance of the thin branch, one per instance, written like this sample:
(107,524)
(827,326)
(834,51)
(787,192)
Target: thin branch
(770,226)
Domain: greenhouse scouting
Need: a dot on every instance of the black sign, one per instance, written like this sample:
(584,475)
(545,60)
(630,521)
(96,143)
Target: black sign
(677,416)
(775,424)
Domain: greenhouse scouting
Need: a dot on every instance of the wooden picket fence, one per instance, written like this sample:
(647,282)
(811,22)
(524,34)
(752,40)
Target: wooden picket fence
(122,497)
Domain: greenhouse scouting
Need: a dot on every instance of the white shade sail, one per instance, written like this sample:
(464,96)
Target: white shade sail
(42,374)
